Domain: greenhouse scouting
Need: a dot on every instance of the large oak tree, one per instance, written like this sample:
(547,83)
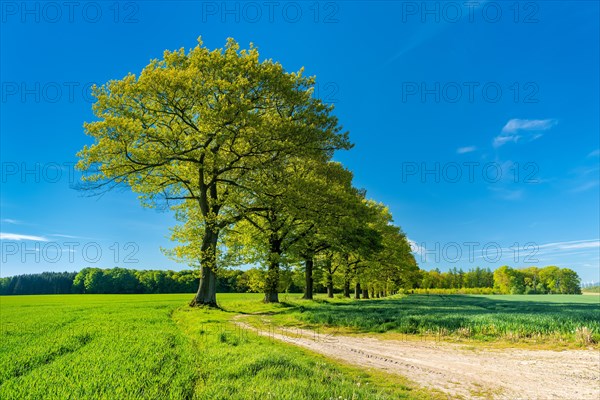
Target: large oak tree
(196,127)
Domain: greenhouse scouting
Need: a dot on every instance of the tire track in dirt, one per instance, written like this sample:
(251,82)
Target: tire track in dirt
(458,371)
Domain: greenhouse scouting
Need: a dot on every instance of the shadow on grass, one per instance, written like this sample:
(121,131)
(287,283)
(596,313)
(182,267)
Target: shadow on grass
(259,308)
(469,315)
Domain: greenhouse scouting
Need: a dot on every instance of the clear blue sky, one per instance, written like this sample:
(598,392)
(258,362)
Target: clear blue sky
(464,93)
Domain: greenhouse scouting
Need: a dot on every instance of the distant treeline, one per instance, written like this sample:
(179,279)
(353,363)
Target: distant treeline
(44,283)
(96,280)
(507,280)
(122,280)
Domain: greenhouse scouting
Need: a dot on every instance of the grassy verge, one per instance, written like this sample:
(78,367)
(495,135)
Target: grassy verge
(238,364)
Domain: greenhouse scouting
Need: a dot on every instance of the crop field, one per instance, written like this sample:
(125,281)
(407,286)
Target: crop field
(561,319)
(155,347)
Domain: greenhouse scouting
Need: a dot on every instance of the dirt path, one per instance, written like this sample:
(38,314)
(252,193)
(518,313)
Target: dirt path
(458,371)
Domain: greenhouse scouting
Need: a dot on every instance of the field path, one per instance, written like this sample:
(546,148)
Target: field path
(460,371)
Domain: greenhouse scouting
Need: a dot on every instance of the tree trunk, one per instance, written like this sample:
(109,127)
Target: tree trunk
(365,293)
(346,288)
(308,274)
(357,291)
(329,277)
(272,281)
(207,293)
(330,285)
(372,293)
(207,290)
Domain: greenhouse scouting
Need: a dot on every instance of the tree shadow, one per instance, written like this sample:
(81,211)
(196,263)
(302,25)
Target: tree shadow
(440,313)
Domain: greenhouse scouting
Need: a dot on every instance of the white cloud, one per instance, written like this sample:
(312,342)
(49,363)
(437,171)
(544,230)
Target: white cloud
(467,149)
(516,129)
(501,140)
(10,221)
(17,236)
(516,124)
(415,248)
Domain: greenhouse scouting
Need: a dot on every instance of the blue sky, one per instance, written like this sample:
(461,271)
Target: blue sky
(477,125)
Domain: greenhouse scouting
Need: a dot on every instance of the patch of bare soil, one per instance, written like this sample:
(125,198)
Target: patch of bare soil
(460,371)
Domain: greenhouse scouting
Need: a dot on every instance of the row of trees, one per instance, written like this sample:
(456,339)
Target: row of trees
(242,152)
(531,280)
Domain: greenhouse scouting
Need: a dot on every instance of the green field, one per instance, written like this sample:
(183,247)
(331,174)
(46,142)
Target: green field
(557,318)
(155,347)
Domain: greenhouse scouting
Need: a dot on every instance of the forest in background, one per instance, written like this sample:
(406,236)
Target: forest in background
(504,280)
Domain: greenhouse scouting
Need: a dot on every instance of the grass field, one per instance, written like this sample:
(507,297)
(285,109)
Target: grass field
(479,317)
(551,319)
(155,347)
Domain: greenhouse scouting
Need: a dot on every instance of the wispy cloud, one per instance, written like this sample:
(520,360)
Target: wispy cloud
(594,153)
(466,149)
(515,125)
(422,33)
(10,221)
(585,186)
(550,251)
(66,236)
(570,245)
(516,130)
(508,194)
(17,236)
